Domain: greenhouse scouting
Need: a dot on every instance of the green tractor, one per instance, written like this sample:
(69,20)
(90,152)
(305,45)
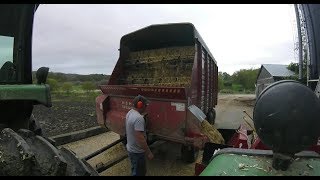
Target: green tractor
(286,121)
(23,149)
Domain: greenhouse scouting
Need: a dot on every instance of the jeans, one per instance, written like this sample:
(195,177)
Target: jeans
(138,164)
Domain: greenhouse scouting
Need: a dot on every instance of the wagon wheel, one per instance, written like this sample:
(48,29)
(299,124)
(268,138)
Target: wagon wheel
(24,153)
(189,154)
(211,116)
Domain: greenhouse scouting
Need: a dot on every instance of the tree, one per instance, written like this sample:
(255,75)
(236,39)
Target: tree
(67,87)
(225,79)
(88,86)
(246,78)
(226,76)
(220,81)
(60,77)
(294,67)
(54,86)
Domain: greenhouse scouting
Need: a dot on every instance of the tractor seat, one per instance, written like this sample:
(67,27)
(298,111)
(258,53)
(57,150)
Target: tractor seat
(8,72)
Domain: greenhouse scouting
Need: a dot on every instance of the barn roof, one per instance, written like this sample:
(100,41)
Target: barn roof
(278,70)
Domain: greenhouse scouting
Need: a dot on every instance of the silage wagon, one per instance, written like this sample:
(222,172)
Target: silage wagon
(170,65)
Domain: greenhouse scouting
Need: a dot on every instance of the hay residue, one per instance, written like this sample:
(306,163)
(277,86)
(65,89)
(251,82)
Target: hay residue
(211,132)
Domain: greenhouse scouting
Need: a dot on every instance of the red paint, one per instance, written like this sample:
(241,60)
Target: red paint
(315,148)
(164,118)
(239,139)
(257,144)
(175,93)
(199,168)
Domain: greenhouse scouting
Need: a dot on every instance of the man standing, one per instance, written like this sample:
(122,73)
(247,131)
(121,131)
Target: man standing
(137,146)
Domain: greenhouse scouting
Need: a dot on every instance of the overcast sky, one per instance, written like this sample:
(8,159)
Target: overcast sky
(84,39)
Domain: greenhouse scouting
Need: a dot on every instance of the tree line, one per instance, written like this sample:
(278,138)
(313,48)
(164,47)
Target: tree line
(240,81)
(74,82)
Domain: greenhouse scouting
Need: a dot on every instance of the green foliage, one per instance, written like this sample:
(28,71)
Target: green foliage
(241,81)
(295,68)
(220,83)
(237,87)
(54,86)
(88,86)
(226,77)
(226,91)
(224,81)
(228,84)
(62,77)
(77,82)
(67,87)
(246,78)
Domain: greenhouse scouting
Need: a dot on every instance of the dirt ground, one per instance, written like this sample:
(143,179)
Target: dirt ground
(167,161)
(73,114)
(230,110)
(67,114)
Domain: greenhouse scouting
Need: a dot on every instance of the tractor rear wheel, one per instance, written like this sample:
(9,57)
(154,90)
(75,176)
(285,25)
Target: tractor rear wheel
(24,153)
(34,126)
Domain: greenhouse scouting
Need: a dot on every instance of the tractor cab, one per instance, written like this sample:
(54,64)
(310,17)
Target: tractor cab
(23,151)
(17,93)
(15,43)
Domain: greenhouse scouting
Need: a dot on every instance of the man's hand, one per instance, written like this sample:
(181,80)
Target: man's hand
(150,155)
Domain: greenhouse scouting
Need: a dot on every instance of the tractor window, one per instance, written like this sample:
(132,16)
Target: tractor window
(7,70)
(6,49)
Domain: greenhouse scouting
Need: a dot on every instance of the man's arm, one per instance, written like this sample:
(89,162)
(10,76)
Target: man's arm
(139,129)
(142,141)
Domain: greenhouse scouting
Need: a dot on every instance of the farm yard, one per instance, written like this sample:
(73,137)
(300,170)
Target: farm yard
(76,111)
(204,107)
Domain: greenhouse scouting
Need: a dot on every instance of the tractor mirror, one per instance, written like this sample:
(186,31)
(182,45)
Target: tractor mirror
(42,74)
